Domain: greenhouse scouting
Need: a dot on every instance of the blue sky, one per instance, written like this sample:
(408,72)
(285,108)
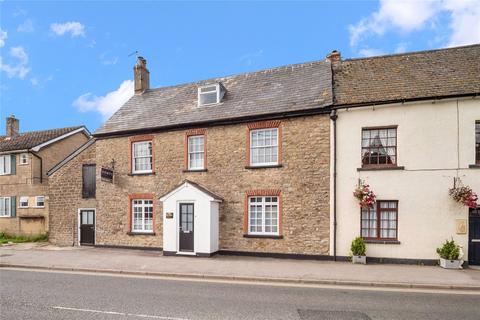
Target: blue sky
(67,63)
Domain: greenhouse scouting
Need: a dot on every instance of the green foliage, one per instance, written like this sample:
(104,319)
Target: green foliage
(358,247)
(449,250)
(5,238)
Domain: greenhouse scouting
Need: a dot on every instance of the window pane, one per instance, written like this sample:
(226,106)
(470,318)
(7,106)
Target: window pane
(142,215)
(264,146)
(142,156)
(208,98)
(263,215)
(379,146)
(196,152)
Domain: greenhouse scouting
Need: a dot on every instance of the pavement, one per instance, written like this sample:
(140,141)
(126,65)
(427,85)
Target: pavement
(222,267)
(30,294)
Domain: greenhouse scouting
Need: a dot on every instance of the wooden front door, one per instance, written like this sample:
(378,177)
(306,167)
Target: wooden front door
(87,227)
(474,237)
(186,227)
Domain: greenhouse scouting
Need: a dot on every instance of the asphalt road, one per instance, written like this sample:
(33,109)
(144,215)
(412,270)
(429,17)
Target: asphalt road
(45,295)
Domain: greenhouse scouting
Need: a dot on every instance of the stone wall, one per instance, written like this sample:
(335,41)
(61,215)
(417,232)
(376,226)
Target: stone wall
(303,181)
(65,193)
(31,220)
(26,182)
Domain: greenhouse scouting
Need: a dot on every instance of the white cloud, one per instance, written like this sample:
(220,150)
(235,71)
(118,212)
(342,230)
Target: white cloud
(105,105)
(412,15)
(401,48)
(465,21)
(370,52)
(108,61)
(75,28)
(3,37)
(20,68)
(250,58)
(19,12)
(112,61)
(40,83)
(26,26)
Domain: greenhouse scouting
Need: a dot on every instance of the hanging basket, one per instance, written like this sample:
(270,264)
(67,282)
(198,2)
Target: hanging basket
(463,194)
(365,196)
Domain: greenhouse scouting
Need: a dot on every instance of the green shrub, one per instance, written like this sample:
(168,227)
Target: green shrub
(449,250)
(358,247)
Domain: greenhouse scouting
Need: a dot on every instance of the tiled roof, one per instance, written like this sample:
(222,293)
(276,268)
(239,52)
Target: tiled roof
(426,74)
(31,139)
(285,89)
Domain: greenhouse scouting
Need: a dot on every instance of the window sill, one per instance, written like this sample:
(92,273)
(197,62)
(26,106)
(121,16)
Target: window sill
(43,207)
(381,168)
(6,217)
(382,241)
(195,170)
(264,166)
(136,233)
(263,236)
(141,174)
(474,166)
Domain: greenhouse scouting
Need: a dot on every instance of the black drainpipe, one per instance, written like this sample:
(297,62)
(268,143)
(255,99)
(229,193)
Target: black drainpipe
(41,165)
(333,117)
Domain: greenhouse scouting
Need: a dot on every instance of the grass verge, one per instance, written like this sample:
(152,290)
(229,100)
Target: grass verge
(5,238)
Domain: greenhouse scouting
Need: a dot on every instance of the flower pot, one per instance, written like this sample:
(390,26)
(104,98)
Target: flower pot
(359,259)
(450,264)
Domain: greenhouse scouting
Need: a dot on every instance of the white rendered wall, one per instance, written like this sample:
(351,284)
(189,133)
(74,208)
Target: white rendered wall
(435,142)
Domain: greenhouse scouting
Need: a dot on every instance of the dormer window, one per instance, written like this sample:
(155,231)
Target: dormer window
(210,94)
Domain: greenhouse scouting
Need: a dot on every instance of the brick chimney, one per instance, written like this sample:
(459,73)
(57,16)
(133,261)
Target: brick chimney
(13,126)
(334,56)
(141,75)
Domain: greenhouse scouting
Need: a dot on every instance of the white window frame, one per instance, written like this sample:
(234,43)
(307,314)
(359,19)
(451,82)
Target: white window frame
(20,202)
(218,90)
(36,202)
(261,164)
(5,164)
(142,206)
(7,213)
(202,152)
(150,143)
(263,204)
(23,157)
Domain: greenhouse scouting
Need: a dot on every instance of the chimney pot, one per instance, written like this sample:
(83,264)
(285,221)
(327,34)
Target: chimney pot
(13,126)
(141,76)
(334,56)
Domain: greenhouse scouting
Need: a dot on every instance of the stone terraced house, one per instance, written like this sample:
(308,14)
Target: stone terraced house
(238,164)
(25,158)
(265,163)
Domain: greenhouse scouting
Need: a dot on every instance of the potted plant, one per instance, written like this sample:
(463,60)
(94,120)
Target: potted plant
(358,250)
(449,253)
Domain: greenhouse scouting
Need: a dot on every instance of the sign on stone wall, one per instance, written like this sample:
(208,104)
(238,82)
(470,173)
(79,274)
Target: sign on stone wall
(106,175)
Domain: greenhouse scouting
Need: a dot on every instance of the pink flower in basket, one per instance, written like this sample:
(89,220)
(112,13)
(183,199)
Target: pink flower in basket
(464,195)
(365,196)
